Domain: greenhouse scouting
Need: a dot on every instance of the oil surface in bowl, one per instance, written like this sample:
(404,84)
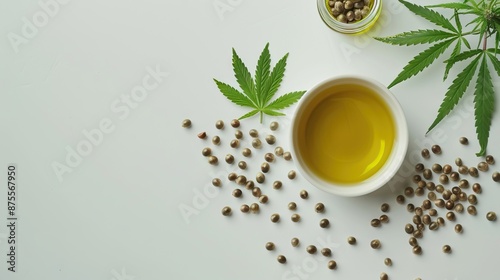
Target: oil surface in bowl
(347,134)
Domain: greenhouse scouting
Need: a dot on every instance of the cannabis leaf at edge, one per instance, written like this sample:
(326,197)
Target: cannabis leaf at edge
(257,93)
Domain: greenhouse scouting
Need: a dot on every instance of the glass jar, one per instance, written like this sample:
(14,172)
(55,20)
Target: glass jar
(353,27)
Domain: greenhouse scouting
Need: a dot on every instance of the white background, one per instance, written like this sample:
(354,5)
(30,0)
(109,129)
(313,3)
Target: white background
(117,214)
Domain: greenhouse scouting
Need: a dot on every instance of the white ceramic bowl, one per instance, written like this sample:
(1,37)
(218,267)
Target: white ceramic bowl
(395,159)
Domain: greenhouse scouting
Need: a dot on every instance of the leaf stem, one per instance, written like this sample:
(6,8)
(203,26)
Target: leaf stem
(261,115)
(484,43)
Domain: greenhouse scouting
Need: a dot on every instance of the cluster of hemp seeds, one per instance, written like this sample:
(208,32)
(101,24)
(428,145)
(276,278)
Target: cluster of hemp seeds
(446,191)
(347,11)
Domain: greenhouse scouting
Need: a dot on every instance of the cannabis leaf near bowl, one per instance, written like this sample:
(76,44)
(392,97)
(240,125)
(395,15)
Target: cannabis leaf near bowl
(484,23)
(257,94)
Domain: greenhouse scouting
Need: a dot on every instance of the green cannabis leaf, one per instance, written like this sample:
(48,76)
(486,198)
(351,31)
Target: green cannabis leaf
(257,93)
(484,23)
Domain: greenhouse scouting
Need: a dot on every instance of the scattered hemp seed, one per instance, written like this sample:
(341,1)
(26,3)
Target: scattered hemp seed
(327,252)
(275,218)
(400,199)
(249,185)
(471,209)
(458,161)
(295,242)
(270,246)
(495,176)
(254,207)
(463,184)
(235,143)
(472,199)
(213,160)
(476,187)
(459,208)
(443,179)
(242,165)
(437,168)
(260,178)
(229,158)
(226,211)
(186,123)
(256,143)
(241,180)
(269,157)
(237,193)
(277,185)
(238,134)
(292,174)
(416,178)
(459,228)
(273,126)
(304,194)
(427,173)
(419,191)
(270,139)
(446,249)
(491,216)
(409,192)
(264,167)
(263,199)
(295,218)
(235,123)
(244,208)
(490,159)
(319,207)
(375,244)
(311,249)
(232,176)
(450,216)
(413,241)
(219,124)
(216,140)
(278,151)
(425,153)
(419,167)
(383,276)
(216,182)
(256,192)
(246,152)
(410,207)
(202,135)
(409,228)
(433,226)
(482,166)
(206,152)
(287,156)
(436,149)
(417,250)
(375,223)
(332,264)
(351,240)
(324,223)
(388,261)
(463,140)
(384,207)
(281,259)
(463,169)
(253,133)
(292,206)
(473,172)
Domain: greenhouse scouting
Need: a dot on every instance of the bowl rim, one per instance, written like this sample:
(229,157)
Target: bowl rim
(398,153)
